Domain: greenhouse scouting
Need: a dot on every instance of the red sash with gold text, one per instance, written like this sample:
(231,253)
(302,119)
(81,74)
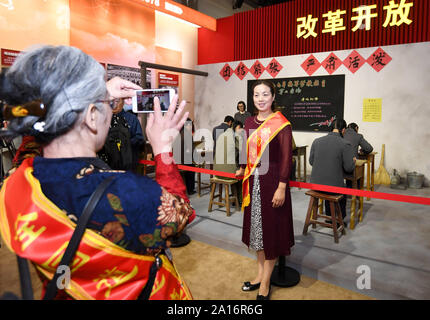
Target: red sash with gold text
(36,229)
(255,146)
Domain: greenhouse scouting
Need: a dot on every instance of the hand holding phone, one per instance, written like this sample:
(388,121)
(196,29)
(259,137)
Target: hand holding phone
(143,101)
(161,130)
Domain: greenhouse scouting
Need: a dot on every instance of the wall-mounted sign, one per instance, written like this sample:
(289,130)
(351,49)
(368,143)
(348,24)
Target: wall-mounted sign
(396,14)
(8,56)
(168,79)
(372,110)
(180,11)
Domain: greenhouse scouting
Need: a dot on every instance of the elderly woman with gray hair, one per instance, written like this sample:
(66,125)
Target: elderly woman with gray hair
(59,95)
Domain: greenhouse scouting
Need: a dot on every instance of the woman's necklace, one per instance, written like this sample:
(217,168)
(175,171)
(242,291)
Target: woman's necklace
(260,121)
(257,121)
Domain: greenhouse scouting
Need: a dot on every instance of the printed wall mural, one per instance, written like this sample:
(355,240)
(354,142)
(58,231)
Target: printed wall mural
(25,23)
(115,31)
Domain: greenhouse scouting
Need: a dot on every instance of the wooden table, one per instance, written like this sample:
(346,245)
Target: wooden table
(357,183)
(370,164)
(298,152)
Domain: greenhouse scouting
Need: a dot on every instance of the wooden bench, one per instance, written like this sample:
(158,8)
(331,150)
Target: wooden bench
(313,214)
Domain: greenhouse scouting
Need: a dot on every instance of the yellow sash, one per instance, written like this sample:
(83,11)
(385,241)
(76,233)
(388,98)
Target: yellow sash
(34,228)
(255,146)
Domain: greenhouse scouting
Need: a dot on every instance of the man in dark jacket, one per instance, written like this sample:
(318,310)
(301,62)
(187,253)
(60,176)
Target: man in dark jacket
(331,157)
(357,140)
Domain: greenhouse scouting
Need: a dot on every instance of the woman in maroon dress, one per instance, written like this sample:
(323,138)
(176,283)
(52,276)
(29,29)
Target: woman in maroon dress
(267,222)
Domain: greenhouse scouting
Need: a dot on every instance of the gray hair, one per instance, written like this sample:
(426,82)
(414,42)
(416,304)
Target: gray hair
(66,80)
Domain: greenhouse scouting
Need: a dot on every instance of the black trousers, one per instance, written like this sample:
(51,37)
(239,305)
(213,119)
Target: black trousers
(189,179)
(342,204)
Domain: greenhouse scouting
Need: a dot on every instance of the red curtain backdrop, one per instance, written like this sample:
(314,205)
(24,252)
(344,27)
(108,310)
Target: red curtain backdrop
(271,31)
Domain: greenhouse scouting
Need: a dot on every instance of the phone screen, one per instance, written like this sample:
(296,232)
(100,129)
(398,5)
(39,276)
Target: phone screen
(145,99)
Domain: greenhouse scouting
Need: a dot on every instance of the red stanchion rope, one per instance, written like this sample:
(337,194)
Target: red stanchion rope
(320,187)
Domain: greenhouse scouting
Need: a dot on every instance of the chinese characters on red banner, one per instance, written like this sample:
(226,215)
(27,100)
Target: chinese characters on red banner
(353,62)
(226,72)
(273,68)
(379,59)
(395,15)
(310,65)
(241,70)
(257,69)
(331,63)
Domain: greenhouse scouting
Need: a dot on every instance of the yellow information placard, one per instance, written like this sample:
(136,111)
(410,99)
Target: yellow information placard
(372,110)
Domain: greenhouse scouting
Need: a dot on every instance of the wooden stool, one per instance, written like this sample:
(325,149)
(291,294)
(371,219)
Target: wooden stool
(223,202)
(313,214)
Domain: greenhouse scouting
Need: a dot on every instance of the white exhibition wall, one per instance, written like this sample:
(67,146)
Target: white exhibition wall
(403,85)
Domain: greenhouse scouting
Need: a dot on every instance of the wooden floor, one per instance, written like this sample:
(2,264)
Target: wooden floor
(9,275)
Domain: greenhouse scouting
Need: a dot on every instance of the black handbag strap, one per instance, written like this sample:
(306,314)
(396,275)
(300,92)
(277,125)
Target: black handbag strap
(25,279)
(51,290)
(146,292)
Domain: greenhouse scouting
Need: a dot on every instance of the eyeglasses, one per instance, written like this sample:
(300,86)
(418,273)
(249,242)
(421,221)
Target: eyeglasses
(112,103)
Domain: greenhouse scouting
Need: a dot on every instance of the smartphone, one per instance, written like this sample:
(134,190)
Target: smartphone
(143,101)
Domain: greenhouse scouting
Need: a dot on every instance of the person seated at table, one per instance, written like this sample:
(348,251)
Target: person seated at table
(357,140)
(331,157)
(127,238)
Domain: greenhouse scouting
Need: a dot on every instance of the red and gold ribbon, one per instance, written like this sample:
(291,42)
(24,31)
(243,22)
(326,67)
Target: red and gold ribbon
(255,146)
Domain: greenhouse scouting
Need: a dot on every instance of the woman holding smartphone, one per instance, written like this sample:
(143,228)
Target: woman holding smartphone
(125,244)
(267,221)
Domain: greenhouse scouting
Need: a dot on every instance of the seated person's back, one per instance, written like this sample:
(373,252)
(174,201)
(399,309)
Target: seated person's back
(330,157)
(357,140)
